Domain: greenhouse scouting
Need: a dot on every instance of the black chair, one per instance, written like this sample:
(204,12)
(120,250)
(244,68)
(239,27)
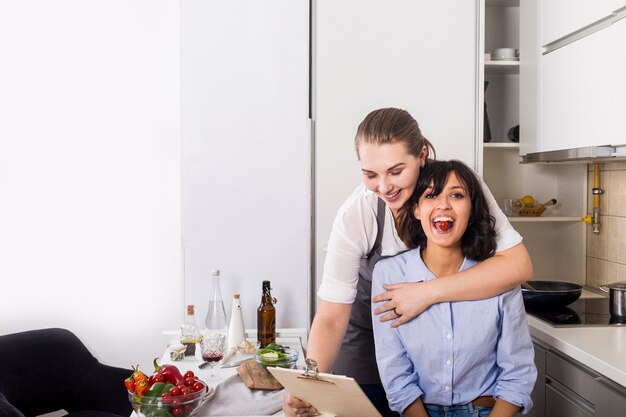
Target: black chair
(46,370)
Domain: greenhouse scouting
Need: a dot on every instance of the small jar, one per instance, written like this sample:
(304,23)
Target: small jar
(177,351)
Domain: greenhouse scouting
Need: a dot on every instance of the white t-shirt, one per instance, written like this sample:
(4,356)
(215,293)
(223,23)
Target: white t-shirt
(354,232)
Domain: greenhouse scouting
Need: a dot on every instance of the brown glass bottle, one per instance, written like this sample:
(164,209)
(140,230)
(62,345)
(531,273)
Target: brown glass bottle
(266,317)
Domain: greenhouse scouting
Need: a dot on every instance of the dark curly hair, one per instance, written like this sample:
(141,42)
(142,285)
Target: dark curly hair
(479,240)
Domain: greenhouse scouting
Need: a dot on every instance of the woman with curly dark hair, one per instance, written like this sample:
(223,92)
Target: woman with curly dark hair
(479,240)
(473,358)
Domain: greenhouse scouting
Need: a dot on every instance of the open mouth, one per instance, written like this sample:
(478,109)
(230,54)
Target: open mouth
(443,223)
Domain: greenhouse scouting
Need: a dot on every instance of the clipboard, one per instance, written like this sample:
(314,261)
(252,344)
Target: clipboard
(332,395)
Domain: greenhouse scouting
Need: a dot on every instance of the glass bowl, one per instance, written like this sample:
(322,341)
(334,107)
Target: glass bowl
(180,406)
(287,359)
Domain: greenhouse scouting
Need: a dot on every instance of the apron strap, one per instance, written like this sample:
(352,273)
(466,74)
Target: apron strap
(380,221)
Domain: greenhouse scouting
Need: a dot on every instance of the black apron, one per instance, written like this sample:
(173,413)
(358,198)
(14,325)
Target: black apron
(357,358)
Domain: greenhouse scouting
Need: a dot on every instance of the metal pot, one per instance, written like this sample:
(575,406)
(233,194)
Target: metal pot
(617,298)
(551,293)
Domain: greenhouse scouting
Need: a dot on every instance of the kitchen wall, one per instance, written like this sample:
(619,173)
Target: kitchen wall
(91,179)
(606,251)
(90,172)
(246,182)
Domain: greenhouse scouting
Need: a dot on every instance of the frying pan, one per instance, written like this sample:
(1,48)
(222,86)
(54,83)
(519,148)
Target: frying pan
(550,293)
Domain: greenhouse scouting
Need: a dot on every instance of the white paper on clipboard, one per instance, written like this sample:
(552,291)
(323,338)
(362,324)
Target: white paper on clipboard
(331,395)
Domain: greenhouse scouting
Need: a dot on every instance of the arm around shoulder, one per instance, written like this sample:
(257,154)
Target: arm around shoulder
(489,278)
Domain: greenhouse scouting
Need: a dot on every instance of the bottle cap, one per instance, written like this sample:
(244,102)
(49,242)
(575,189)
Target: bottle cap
(236,296)
(215,272)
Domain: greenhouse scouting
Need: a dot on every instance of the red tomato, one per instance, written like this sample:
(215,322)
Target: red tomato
(177,411)
(175,402)
(166,398)
(175,391)
(197,386)
(187,394)
(189,382)
(188,374)
(444,225)
(188,408)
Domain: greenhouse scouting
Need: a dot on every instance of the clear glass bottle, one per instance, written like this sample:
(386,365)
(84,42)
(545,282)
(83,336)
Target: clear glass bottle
(266,317)
(236,329)
(189,334)
(216,314)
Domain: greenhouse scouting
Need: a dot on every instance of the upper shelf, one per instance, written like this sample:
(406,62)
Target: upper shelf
(501,145)
(501,67)
(502,3)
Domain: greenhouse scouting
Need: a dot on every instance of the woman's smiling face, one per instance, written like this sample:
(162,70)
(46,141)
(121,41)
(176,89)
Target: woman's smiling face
(445,217)
(390,171)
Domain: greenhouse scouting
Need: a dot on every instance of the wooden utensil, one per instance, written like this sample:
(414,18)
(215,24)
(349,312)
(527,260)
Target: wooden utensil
(549,203)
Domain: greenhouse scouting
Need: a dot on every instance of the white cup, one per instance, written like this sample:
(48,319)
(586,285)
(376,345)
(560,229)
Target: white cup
(504,53)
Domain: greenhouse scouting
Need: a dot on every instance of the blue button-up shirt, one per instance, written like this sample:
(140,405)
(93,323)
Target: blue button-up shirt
(453,352)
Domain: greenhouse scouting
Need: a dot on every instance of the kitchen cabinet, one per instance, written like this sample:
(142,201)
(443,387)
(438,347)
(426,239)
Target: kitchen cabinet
(539,393)
(501,30)
(567,388)
(581,84)
(618,80)
(246,140)
(556,241)
(575,94)
(561,404)
(562,17)
(419,56)
(611,399)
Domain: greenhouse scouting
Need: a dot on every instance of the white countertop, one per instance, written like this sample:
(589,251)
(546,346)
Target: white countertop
(602,349)
(293,338)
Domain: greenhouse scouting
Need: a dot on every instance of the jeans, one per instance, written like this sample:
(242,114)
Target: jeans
(457,411)
(376,394)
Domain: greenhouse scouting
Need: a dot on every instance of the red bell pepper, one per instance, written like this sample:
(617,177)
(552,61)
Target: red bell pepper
(170,373)
(156,377)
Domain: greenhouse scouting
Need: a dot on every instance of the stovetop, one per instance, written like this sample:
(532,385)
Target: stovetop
(583,312)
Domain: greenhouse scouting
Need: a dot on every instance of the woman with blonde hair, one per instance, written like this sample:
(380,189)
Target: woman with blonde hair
(392,151)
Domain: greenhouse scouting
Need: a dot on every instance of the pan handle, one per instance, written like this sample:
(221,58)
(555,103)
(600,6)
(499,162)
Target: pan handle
(604,288)
(526,285)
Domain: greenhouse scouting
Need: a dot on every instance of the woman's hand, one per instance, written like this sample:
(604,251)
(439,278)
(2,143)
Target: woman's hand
(504,409)
(293,406)
(403,301)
